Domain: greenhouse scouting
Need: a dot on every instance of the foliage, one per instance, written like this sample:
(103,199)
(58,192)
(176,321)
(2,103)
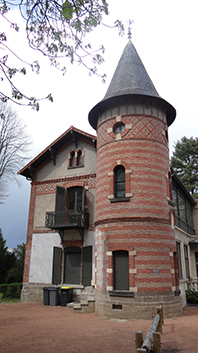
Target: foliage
(15,274)
(14,146)
(11,263)
(192,297)
(185,162)
(7,259)
(56,29)
(12,290)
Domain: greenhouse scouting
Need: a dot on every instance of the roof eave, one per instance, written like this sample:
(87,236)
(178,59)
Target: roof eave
(106,103)
(45,154)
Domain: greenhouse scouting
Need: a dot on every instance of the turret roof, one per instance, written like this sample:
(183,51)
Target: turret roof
(130,76)
(130,80)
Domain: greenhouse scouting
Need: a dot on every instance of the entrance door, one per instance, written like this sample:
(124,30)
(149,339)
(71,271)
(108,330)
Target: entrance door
(72,265)
(121,270)
(75,198)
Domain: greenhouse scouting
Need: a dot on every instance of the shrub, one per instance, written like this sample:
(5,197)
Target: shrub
(12,290)
(192,297)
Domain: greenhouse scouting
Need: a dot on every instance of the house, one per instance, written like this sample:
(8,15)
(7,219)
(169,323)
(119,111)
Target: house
(186,231)
(102,215)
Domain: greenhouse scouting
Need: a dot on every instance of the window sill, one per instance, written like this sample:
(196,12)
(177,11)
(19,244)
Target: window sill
(76,166)
(119,199)
(121,293)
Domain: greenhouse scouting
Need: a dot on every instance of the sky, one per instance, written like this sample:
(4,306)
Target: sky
(164,33)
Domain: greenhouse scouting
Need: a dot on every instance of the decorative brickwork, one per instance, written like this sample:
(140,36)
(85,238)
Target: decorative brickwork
(143,225)
(49,186)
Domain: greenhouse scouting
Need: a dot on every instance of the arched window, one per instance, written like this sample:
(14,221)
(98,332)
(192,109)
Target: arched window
(79,157)
(72,159)
(119,181)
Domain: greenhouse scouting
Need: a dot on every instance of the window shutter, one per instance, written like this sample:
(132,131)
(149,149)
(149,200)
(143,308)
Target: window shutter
(60,199)
(87,266)
(56,271)
(121,270)
(83,197)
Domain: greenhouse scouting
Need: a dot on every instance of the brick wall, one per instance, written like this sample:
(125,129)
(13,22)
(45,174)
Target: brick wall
(142,223)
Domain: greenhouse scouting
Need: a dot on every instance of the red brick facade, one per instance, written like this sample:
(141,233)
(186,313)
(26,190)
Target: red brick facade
(140,224)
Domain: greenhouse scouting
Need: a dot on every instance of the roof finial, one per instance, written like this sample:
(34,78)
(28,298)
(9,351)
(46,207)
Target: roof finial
(129,28)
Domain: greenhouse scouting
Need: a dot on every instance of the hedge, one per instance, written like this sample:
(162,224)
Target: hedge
(11,290)
(192,297)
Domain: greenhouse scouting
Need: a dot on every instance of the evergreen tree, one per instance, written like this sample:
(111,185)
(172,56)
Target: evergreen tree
(15,273)
(7,259)
(185,162)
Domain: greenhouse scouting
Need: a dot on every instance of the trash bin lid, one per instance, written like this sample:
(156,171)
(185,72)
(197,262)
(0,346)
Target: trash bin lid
(65,287)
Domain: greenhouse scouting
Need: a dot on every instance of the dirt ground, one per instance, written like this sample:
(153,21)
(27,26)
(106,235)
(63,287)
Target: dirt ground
(35,328)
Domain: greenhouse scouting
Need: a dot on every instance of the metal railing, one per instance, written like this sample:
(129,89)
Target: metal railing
(184,226)
(67,219)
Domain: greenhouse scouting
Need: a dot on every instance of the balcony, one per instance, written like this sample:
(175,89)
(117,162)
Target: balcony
(184,226)
(72,219)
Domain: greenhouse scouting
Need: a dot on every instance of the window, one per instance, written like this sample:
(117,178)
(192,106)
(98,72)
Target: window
(76,159)
(179,259)
(121,270)
(72,159)
(119,181)
(75,198)
(79,157)
(183,211)
(186,261)
(72,265)
(118,128)
(196,261)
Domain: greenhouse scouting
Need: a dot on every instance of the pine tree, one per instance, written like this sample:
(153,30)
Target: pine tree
(7,259)
(185,163)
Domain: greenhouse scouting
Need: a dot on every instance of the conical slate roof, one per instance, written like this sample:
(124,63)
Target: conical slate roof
(130,76)
(130,80)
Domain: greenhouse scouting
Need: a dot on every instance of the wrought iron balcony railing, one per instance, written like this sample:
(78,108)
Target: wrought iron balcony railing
(67,219)
(182,225)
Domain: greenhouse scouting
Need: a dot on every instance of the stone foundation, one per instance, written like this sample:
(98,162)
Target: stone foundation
(33,292)
(139,307)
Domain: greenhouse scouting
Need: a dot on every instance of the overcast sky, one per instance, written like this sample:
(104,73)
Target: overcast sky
(165,35)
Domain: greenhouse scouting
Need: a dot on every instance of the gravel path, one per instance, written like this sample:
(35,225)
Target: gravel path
(35,328)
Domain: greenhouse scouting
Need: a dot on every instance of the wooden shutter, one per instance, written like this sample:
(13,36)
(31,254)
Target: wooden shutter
(60,199)
(56,269)
(87,266)
(121,270)
(83,197)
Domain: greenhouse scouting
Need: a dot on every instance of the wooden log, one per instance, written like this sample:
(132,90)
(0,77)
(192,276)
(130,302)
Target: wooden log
(160,312)
(149,337)
(138,339)
(157,342)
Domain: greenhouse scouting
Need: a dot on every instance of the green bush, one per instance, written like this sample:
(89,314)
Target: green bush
(192,297)
(11,290)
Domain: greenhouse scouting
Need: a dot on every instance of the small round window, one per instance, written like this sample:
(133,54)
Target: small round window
(118,128)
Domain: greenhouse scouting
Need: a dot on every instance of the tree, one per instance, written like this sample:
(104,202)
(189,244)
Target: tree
(15,273)
(14,146)
(185,162)
(57,29)
(7,259)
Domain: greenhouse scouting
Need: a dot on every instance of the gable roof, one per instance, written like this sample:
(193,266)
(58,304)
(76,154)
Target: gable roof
(130,80)
(71,134)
